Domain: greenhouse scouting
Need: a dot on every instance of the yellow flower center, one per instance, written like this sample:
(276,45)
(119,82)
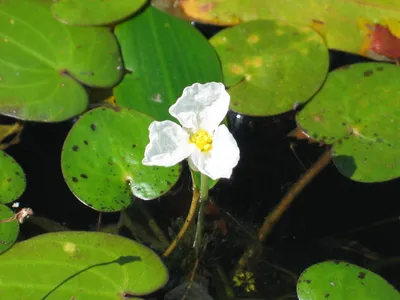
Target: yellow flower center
(202,140)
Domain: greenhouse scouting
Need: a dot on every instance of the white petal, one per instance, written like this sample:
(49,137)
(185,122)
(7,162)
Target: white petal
(223,157)
(191,165)
(201,106)
(169,144)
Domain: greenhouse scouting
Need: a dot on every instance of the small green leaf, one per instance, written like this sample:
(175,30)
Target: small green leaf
(336,280)
(94,12)
(102,160)
(12,179)
(8,230)
(79,265)
(163,55)
(357,110)
(42,62)
(264,64)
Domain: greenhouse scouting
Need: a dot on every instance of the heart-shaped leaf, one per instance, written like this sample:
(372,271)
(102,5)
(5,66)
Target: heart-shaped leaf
(102,160)
(9,229)
(264,63)
(79,265)
(336,280)
(357,110)
(12,179)
(42,60)
(163,55)
(94,12)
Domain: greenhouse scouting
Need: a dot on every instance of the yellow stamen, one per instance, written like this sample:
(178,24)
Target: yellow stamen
(202,140)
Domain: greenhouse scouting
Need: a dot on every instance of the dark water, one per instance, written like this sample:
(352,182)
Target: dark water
(322,218)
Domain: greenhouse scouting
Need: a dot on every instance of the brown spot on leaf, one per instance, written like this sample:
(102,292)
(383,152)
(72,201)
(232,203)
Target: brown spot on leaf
(317,25)
(236,69)
(84,176)
(86,142)
(318,21)
(368,73)
(75,148)
(361,275)
(318,118)
(74,179)
(93,127)
(205,8)
(9,179)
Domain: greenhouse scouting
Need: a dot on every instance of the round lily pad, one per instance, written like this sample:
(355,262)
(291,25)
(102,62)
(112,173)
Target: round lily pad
(163,55)
(357,110)
(8,230)
(12,179)
(80,265)
(94,12)
(102,160)
(43,62)
(269,66)
(335,280)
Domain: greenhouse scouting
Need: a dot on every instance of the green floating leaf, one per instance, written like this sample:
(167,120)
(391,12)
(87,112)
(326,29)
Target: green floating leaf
(42,60)
(79,265)
(12,179)
(8,230)
(94,12)
(102,160)
(163,55)
(357,110)
(336,280)
(270,65)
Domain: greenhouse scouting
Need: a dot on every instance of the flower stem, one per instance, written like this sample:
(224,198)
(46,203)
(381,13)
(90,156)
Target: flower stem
(192,210)
(200,217)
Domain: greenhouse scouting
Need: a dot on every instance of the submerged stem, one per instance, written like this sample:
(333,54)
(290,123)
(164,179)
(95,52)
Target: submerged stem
(274,216)
(185,226)
(200,218)
(151,222)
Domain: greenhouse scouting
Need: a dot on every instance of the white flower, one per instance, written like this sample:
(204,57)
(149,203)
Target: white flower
(210,147)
